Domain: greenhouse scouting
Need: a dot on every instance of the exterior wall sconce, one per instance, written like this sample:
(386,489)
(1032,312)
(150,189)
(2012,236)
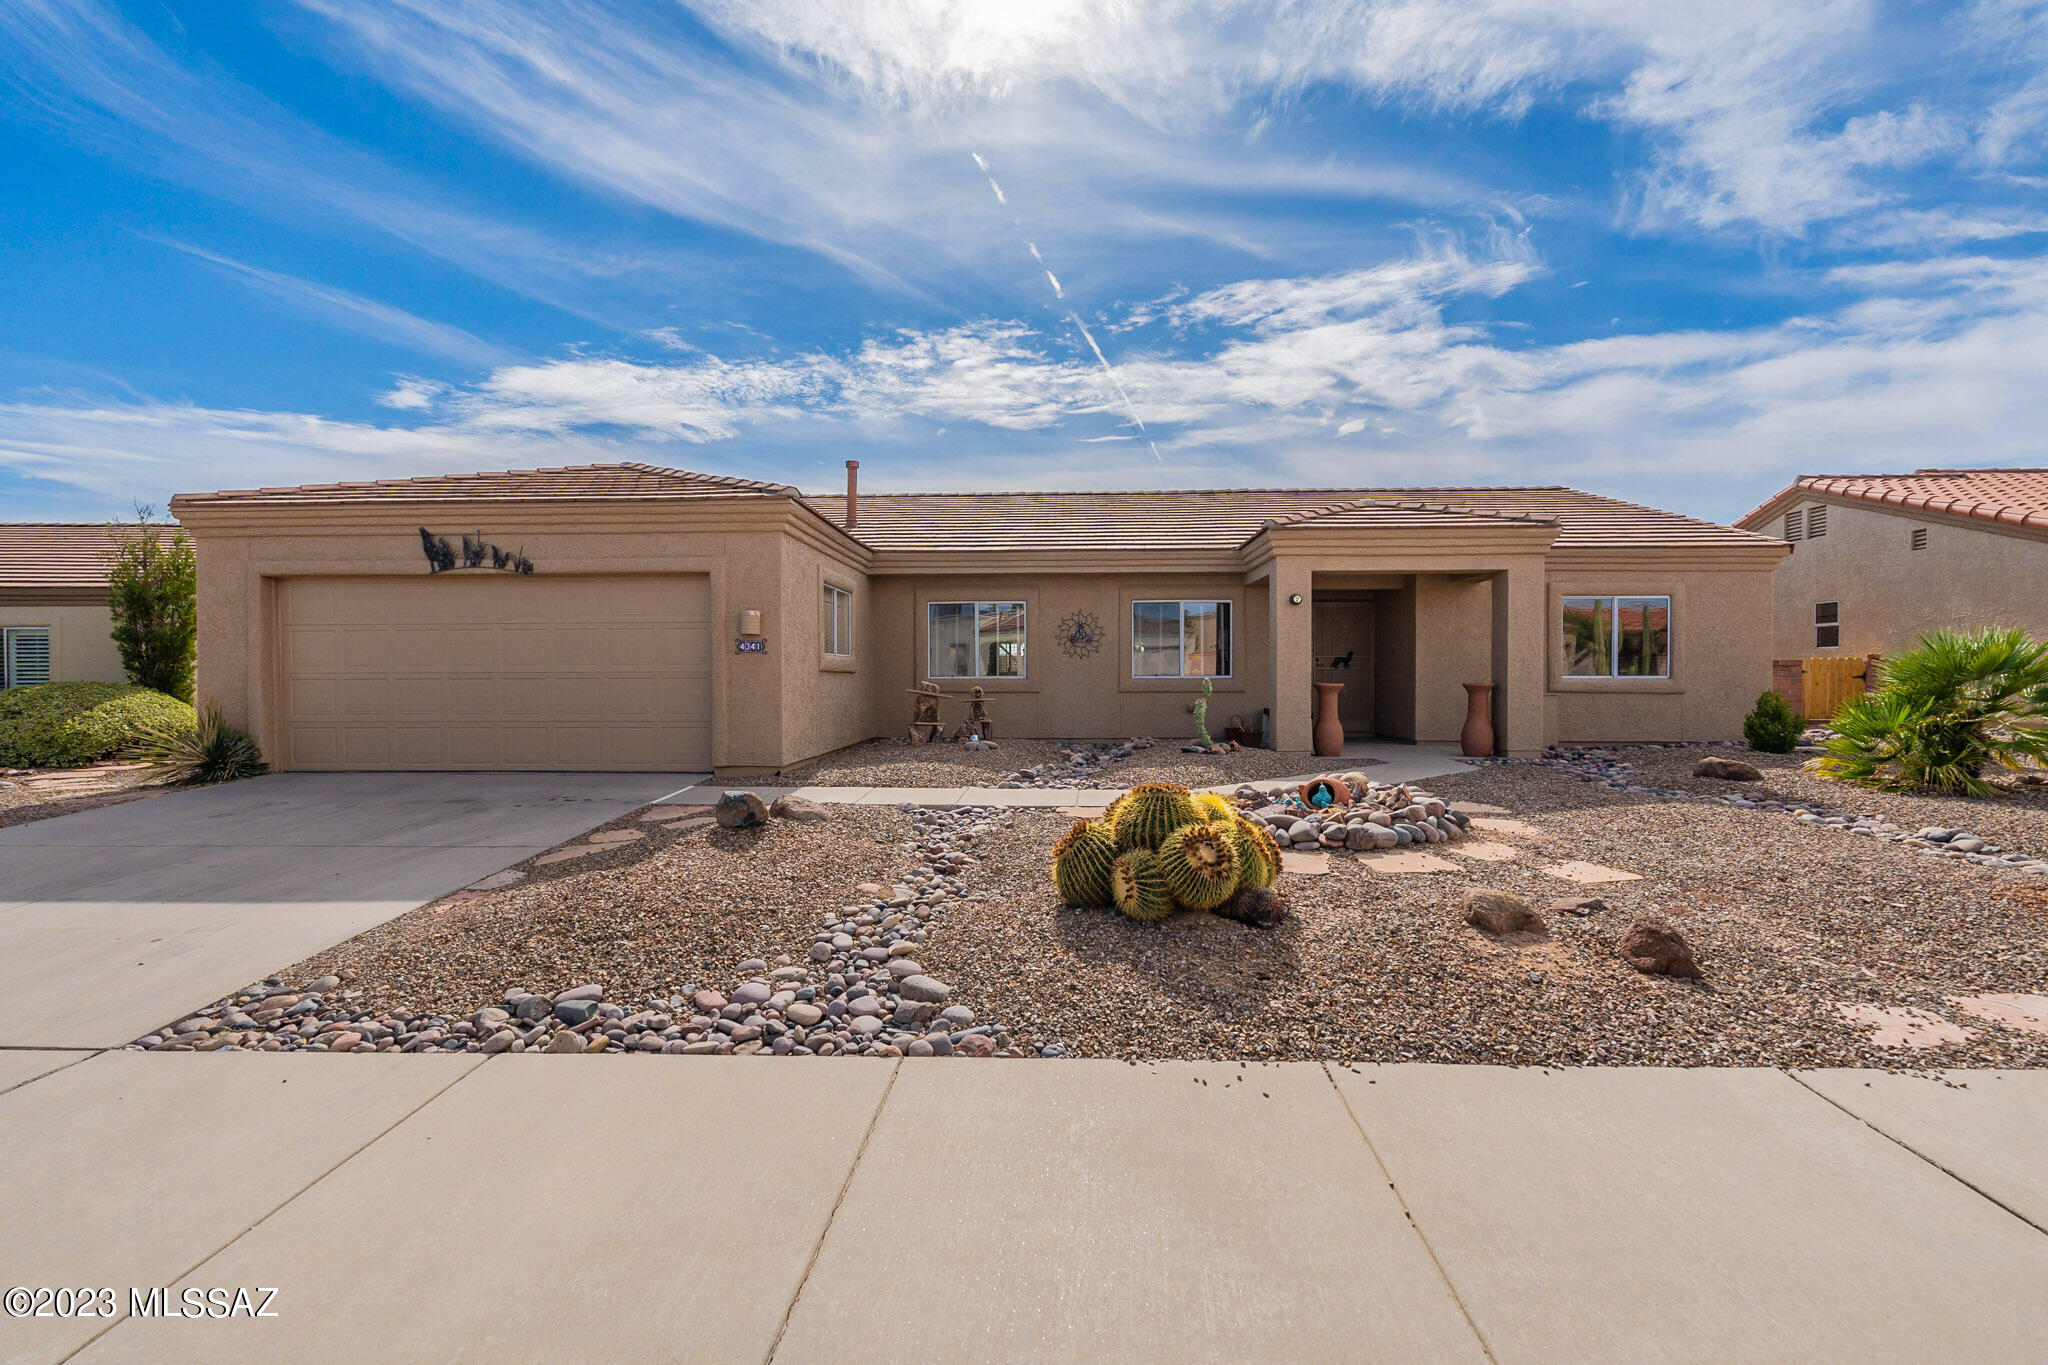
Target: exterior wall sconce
(1295,600)
(750,623)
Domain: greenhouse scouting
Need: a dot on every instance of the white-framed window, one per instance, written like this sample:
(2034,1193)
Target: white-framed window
(27,656)
(1617,637)
(1827,625)
(1795,524)
(835,613)
(1918,540)
(1816,522)
(974,640)
(1189,638)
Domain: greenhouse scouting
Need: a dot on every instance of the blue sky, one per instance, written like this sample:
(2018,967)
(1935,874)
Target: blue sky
(1673,253)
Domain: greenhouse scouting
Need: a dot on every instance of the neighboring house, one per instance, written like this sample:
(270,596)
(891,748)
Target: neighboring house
(54,625)
(625,616)
(1879,559)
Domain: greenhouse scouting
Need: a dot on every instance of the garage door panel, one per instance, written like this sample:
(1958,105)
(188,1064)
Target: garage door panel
(496,671)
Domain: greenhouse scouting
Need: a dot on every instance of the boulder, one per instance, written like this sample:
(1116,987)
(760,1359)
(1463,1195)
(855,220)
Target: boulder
(1653,946)
(1727,769)
(799,808)
(1498,913)
(740,810)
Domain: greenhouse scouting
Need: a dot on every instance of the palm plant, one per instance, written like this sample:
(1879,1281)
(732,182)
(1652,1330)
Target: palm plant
(213,751)
(1948,709)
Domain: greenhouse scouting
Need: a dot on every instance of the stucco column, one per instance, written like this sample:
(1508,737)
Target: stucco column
(1290,628)
(1518,673)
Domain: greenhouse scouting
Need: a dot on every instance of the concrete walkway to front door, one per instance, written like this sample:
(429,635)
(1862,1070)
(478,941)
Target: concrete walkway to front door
(117,920)
(740,1209)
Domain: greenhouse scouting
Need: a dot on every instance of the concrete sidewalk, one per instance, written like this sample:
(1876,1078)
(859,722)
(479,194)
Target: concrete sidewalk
(440,1208)
(118,920)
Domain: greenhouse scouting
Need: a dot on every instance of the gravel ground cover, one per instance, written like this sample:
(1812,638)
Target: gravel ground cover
(677,908)
(1042,763)
(1789,924)
(28,794)
(896,763)
(2017,817)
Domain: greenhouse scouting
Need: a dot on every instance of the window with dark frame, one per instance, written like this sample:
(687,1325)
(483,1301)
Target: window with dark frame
(974,640)
(1180,639)
(1616,637)
(1827,625)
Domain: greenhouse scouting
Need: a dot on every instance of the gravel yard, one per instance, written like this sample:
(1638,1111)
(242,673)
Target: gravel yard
(1793,925)
(1789,923)
(677,908)
(28,794)
(2017,817)
(1041,763)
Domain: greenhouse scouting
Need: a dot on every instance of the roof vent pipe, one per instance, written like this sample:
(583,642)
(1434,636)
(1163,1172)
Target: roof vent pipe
(852,492)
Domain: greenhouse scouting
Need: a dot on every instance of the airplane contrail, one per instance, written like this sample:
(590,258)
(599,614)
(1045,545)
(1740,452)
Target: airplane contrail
(1108,370)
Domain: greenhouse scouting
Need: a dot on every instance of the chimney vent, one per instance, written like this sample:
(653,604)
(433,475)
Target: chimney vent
(852,493)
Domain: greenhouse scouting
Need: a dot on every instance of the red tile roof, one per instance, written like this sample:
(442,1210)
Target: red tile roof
(2016,497)
(1224,518)
(61,555)
(628,480)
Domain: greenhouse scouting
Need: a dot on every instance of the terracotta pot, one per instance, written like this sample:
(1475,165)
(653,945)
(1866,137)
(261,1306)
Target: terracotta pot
(1329,734)
(1476,739)
(1341,793)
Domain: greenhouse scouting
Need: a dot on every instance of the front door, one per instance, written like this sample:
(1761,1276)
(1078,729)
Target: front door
(1343,645)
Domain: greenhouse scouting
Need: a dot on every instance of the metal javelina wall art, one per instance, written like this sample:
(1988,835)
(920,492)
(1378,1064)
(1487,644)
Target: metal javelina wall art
(476,554)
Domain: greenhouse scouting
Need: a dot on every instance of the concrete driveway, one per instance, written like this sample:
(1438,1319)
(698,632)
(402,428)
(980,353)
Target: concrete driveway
(117,920)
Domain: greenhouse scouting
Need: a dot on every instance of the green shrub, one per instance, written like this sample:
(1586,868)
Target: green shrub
(1772,726)
(213,751)
(153,591)
(1950,707)
(69,724)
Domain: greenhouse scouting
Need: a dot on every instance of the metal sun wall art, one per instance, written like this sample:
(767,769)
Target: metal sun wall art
(1080,635)
(476,554)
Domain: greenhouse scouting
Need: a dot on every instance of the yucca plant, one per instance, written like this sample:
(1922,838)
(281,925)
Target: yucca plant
(212,751)
(1954,705)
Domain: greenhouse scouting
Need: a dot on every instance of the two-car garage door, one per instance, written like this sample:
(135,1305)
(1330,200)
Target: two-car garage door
(491,670)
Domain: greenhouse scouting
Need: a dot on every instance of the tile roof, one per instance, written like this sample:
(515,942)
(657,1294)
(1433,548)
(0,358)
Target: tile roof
(2015,497)
(66,555)
(1224,518)
(627,480)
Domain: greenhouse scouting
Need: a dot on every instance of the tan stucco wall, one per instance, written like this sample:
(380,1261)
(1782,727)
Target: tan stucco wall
(81,639)
(1062,697)
(826,703)
(1720,658)
(1968,577)
(748,550)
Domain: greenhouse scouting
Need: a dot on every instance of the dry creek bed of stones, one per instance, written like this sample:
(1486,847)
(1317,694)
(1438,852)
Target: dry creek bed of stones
(856,987)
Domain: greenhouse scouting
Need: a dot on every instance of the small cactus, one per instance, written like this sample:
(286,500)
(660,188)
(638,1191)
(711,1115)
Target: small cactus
(1201,710)
(1139,890)
(1199,865)
(1258,854)
(1081,862)
(1211,806)
(1150,812)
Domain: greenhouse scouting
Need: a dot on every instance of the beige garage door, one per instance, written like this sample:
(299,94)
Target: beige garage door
(497,671)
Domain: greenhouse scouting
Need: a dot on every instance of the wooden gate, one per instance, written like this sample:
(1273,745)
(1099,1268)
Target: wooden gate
(1825,683)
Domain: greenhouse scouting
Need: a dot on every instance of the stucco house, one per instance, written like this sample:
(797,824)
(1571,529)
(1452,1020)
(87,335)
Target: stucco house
(627,616)
(1879,559)
(54,625)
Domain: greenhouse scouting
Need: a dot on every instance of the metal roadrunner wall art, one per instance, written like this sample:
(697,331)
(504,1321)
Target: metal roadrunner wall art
(1080,634)
(475,554)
